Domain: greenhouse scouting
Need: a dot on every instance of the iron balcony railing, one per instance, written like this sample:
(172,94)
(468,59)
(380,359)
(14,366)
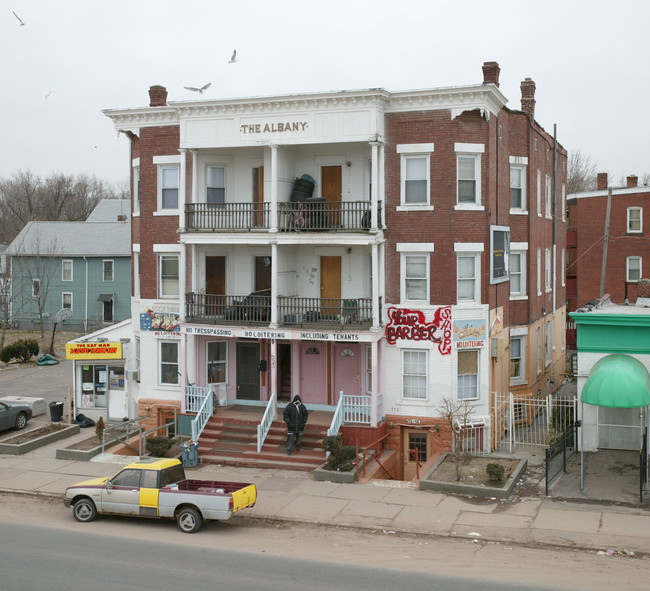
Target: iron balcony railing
(324,311)
(227,216)
(317,215)
(250,309)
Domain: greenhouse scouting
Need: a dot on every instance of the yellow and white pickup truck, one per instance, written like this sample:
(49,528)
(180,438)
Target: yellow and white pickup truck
(158,488)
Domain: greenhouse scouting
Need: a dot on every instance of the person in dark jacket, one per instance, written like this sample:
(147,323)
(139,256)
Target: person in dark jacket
(295,416)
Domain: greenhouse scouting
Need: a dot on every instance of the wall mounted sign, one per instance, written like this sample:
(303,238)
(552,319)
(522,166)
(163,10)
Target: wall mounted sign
(499,254)
(162,319)
(93,350)
(496,320)
(411,325)
(469,334)
(275,127)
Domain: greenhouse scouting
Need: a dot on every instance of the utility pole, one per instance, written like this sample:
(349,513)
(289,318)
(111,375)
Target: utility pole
(605,241)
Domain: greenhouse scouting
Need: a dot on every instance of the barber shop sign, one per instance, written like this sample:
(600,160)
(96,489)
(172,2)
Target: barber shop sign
(411,325)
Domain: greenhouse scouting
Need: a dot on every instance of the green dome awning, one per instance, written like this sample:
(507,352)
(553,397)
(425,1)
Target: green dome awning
(617,381)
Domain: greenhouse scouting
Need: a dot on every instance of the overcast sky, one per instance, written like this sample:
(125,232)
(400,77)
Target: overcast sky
(589,60)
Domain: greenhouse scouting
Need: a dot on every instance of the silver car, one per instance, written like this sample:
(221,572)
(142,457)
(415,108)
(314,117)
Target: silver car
(14,415)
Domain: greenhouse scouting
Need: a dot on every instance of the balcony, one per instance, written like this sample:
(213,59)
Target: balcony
(255,309)
(311,215)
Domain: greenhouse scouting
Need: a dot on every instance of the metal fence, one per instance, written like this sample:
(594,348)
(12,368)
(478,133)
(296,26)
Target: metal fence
(474,434)
(559,452)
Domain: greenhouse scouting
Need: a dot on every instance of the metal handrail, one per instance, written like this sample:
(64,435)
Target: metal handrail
(126,434)
(339,417)
(166,426)
(203,416)
(372,453)
(267,420)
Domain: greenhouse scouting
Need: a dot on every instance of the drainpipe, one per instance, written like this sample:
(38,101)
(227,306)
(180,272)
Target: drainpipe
(86,310)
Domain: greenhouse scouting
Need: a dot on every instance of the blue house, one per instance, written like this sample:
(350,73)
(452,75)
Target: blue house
(84,267)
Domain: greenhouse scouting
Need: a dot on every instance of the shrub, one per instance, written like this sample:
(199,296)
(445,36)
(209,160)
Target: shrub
(158,446)
(495,471)
(341,456)
(99,428)
(23,350)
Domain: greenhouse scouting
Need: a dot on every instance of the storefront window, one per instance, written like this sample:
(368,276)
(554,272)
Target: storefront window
(94,384)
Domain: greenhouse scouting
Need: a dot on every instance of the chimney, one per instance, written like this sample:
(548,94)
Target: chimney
(491,71)
(121,218)
(601,181)
(157,96)
(528,97)
(632,180)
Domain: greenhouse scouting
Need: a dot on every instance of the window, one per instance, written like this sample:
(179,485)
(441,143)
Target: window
(66,270)
(216,184)
(547,269)
(634,220)
(547,343)
(108,270)
(369,369)
(549,203)
(467,283)
(168,354)
(415,378)
(418,443)
(539,193)
(517,359)
(137,352)
(217,360)
(416,281)
(136,189)
(414,176)
(168,282)
(168,182)
(468,175)
(136,274)
(467,374)
(539,350)
(539,271)
(129,478)
(36,288)
(66,301)
(517,274)
(633,269)
(517,188)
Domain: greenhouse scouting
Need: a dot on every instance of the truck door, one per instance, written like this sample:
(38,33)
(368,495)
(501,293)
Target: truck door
(149,490)
(122,493)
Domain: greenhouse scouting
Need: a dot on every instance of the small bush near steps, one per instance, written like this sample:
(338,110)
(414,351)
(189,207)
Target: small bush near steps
(495,472)
(341,456)
(158,446)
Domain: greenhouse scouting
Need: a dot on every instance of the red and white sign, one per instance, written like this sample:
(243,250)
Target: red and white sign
(411,325)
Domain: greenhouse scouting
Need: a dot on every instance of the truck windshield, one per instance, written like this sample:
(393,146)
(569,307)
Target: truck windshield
(171,475)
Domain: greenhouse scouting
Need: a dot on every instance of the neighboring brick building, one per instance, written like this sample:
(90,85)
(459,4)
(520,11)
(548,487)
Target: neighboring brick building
(428,265)
(627,247)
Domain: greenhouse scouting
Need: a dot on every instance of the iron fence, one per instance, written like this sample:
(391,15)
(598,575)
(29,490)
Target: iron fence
(227,216)
(558,453)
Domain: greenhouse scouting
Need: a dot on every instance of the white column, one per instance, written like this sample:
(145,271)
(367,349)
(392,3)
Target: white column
(375,287)
(182,281)
(273,389)
(195,177)
(182,190)
(274,284)
(381,194)
(194,269)
(374,181)
(274,189)
(183,377)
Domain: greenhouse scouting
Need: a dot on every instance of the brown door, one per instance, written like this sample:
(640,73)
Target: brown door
(262,273)
(330,286)
(331,190)
(215,285)
(416,452)
(258,197)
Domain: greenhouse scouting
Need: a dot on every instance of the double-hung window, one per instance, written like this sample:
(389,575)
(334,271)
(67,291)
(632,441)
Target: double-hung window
(36,288)
(468,374)
(415,374)
(169,185)
(108,270)
(539,271)
(414,275)
(518,270)
(634,220)
(518,336)
(168,283)
(548,268)
(549,201)
(136,186)
(66,270)
(215,184)
(66,301)
(415,187)
(468,272)
(168,357)
(633,269)
(547,343)
(539,193)
(468,175)
(518,202)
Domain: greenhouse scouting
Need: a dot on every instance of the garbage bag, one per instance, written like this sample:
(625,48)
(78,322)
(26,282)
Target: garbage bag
(83,421)
(47,360)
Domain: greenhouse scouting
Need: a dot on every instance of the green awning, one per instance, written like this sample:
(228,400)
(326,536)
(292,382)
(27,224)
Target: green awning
(617,381)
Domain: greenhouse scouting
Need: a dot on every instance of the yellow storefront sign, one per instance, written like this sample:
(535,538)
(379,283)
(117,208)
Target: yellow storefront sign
(93,351)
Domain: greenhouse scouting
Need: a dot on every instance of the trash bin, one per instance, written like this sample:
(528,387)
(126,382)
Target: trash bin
(190,454)
(56,411)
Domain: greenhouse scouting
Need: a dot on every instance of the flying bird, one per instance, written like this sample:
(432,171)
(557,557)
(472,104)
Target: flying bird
(20,20)
(233,59)
(199,90)
(49,94)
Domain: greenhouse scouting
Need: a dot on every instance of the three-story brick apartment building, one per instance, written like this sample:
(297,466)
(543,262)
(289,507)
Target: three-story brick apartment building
(393,247)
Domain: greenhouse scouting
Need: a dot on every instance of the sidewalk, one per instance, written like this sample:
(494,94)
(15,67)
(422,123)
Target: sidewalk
(386,506)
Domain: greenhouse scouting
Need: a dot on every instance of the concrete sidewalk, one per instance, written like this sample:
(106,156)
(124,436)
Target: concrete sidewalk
(388,506)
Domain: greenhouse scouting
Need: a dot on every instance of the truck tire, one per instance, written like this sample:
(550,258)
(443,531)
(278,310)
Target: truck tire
(84,510)
(189,520)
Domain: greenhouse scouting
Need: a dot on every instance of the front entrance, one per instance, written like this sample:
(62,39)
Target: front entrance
(415,445)
(347,371)
(258,197)
(248,371)
(262,273)
(332,191)
(313,374)
(330,286)
(284,372)
(620,428)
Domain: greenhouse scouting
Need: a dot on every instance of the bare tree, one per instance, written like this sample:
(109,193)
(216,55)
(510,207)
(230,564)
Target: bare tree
(456,414)
(581,173)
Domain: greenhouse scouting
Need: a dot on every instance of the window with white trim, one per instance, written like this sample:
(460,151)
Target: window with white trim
(415,374)
(168,282)
(539,350)
(467,278)
(108,266)
(468,374)
(168,362)
(547,269)
(517,359)
(66,301)
(36,288)
(217,362)
(415,180)
(549,202)
(215,184)
(539,271)
(468,175)
(136,189)
(415,277)
(547,343)
(517,273)
(168,187)
(66,270)
(633,269)
(539,193)
(634,220)
(518,202)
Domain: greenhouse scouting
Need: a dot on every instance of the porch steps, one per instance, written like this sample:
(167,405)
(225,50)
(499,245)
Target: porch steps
(234,443)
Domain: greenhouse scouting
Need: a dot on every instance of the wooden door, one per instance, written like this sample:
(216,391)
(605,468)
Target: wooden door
(248,371)
(347,371)
(415,445)
(330,286)
(215,285)
(262,273)
(313,373)
(258,197)
(332,191)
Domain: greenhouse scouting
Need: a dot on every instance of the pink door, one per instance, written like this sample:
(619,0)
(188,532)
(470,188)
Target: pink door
(347,371)
(313,378)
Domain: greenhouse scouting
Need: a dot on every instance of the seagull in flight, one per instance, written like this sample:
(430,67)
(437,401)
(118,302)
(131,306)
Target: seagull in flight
(20,20)
(199,90)
(233,59)
(49,94)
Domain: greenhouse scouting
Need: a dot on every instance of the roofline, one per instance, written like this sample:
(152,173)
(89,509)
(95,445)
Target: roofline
(605,192)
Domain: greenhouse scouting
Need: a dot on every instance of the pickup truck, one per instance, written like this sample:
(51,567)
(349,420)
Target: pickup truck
(158,488)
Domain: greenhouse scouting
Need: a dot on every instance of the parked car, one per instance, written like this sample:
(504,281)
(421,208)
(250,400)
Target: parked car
(14,415)
(158,488)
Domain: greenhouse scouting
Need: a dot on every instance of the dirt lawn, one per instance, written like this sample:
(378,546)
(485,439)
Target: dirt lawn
(44,342)
(473,470)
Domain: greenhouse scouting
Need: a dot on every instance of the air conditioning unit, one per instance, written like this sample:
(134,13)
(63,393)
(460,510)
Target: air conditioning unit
(133,375)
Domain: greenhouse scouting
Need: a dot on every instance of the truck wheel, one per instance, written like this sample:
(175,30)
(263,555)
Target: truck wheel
(84,510)
(189,520)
